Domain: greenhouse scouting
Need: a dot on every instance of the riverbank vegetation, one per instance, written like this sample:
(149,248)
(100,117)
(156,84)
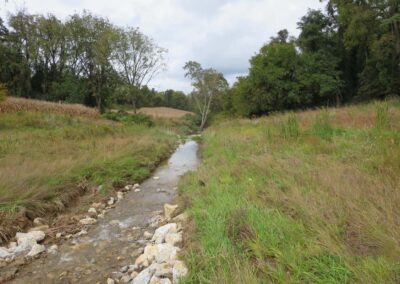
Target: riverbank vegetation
(307,197)
(49,157)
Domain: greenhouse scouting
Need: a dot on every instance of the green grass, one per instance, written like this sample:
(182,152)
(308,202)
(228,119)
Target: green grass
(298,198)
(44,156)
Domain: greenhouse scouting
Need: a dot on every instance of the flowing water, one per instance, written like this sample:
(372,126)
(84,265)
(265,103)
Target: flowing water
(114,241)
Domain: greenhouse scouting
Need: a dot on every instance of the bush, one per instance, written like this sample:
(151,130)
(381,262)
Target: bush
(122,116)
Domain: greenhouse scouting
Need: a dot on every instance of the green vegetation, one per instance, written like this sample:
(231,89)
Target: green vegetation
(306,197)
(44,157)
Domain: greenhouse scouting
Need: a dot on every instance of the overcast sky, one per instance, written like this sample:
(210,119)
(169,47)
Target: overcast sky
(220,34)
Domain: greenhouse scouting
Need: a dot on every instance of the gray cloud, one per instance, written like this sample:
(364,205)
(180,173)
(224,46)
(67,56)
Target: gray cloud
(221,34)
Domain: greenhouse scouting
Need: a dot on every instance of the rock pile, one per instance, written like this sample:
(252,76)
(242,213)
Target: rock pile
(158,262)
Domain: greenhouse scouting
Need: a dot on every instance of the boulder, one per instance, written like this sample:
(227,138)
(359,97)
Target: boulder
(27,240)
(143,277)
(160,233)
(157,280)
(174,238)
(166,252)
(36,250)
(169,210)
(179,271)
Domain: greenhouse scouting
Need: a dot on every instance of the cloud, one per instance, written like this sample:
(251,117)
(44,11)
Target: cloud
(221,34)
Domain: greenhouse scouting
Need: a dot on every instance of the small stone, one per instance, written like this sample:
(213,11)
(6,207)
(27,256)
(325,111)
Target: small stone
(81,233)
(53,249)
(92,210)
(111,201)
(88,221)
(120,195)
(134,274)
(119,258)
(36,250)
(97,205)
(137,190)
(179,271)
(124,269)
(39,221)
(136,185)
(166,252)
(58,235)
(169,210)
(110,281)
(125,279)
(156,178)
(141,259)
(12,246)
(63,274)
(101,216)
(147,235)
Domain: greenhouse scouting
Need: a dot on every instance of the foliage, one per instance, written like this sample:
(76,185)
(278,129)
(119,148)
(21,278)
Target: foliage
(3,92)
(207,84)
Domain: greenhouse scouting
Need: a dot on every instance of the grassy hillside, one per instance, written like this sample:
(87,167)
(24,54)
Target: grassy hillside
(48,158)
(311,197)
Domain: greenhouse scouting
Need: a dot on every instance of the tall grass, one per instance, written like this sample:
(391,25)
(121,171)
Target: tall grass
(321,208)
(47,159)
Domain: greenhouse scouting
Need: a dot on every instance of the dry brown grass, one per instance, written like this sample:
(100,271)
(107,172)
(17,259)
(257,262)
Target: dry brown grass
(164,112)
(12,104)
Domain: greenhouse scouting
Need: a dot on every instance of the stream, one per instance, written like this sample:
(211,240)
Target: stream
(116,240)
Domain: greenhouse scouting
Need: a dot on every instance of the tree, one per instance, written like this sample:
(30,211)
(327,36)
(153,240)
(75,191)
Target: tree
(137,59)
(207,83)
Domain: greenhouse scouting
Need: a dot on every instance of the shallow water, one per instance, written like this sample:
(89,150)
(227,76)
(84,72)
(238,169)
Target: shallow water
(113,241)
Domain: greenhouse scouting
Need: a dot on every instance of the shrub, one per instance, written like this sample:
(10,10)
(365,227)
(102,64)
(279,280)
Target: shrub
(3,92)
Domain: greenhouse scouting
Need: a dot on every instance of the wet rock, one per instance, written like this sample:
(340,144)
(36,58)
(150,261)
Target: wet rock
(137,190)
(157,280)
(179,271)
(36,250)
(173,238)
(147,235)
(53,249)
(169,210)
(110,281)
(156,178)
(161,190)
(88,221)
(160,233)
(143,277)
(39,221)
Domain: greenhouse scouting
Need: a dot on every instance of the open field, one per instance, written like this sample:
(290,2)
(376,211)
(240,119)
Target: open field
(311,197)
(164,112)
(12,104)
(47,159)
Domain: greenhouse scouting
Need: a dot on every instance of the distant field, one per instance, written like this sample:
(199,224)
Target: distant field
(308,197)
(164,112)
(46,156)
(12,104)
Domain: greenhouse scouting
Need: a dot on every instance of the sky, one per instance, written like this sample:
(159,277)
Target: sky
(219,34)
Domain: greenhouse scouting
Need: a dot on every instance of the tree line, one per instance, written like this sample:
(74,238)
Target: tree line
(350,52)
(84,59)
